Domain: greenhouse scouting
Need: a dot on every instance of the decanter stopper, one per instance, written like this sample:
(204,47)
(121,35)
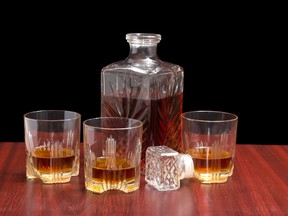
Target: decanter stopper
(165,167)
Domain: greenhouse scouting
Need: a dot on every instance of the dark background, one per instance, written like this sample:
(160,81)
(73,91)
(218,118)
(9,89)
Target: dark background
(233,57)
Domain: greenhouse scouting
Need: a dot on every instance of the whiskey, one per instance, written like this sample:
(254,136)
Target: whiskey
(161,119)
(51,165)
(113,174)
(211,165)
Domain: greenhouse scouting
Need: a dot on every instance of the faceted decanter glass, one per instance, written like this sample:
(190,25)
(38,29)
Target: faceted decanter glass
(146,88)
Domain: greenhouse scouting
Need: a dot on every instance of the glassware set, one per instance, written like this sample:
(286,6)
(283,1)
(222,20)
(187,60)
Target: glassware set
(142,131)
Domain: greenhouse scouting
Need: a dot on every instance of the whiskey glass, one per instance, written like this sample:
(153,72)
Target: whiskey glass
(52,144)
(210,138)
(112,154)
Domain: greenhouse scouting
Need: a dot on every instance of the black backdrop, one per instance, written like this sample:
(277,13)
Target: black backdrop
(233,61)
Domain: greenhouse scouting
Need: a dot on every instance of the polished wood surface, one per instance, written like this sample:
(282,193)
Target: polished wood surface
(259,186)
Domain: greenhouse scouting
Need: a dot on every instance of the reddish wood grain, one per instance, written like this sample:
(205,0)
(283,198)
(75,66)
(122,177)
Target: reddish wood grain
(259,186)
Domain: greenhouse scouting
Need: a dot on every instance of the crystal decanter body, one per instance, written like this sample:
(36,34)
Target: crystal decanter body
(144,87)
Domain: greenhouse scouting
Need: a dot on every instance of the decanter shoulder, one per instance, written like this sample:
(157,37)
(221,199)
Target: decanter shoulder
(146,66)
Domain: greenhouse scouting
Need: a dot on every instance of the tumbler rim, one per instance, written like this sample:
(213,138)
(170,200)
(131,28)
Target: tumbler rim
(32,115)
(230,117)
(87,123)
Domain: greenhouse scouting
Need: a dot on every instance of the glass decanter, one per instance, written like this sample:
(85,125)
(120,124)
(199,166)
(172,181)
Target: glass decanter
(146,88)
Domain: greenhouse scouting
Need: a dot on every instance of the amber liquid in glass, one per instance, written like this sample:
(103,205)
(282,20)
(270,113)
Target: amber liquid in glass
(113,174)
(161,119)
(51,166)
(210,165)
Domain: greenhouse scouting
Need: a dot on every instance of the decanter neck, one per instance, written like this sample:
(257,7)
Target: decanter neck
(143,45)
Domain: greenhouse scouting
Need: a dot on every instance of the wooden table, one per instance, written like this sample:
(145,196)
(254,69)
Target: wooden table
(259,186)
